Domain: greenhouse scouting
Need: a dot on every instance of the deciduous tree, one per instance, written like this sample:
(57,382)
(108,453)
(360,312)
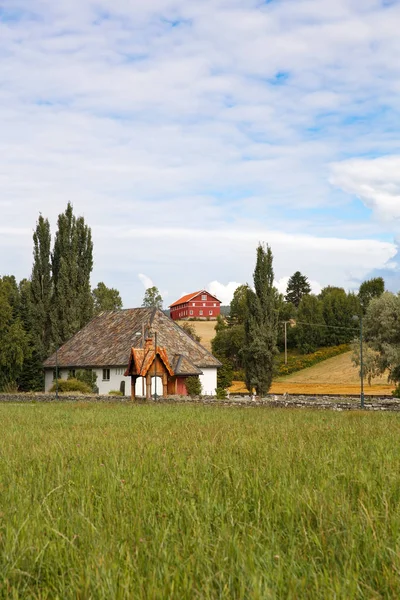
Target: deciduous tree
(105,298)
(72,263)
(152,298)
(372,288)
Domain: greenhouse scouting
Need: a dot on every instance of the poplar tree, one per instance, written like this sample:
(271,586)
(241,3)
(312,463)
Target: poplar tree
(72,263)
(261,325)
(40,290)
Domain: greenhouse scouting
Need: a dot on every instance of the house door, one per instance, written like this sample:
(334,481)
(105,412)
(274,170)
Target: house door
(181,387)
(156,386)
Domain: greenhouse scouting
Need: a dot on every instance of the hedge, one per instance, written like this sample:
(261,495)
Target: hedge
(303,361)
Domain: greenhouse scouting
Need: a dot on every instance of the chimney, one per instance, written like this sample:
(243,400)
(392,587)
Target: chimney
(148,344)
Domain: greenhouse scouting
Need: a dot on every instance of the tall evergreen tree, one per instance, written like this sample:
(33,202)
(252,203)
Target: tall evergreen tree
(297,287)
(72,263)
(261,325)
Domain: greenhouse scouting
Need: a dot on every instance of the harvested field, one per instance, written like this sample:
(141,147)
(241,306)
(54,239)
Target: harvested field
(336,375)
(205,329)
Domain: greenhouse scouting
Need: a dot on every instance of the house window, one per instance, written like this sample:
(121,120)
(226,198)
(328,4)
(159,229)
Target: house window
(71,374)
(210,312)
(106,374)
(191,312)
(204,297)
(120,371)
(54,374)
(200,312)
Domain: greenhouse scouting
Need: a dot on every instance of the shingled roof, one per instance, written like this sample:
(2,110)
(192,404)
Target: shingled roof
(107,340)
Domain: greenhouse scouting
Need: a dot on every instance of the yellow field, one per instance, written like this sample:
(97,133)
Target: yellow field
(336,375)
(205,329)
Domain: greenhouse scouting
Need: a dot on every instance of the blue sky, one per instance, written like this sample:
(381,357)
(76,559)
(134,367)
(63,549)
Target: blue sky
(186,132)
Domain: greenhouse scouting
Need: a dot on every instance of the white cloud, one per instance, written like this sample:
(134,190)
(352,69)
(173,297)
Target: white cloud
(186,132)
(281,285)
(375,181)
(223,292)
(146,281)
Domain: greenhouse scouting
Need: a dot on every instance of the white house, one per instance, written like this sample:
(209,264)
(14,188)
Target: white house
(105,346)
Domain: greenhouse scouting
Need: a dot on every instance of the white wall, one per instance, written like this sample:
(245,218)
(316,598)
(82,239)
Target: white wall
(208,381)
(116,376)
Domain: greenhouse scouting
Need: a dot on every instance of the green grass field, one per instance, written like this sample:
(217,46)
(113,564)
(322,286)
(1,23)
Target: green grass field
(118,501)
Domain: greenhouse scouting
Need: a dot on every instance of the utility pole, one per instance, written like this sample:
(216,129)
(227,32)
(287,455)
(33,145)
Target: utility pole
(155,365)
(361,362)
(285,324)
(56,373)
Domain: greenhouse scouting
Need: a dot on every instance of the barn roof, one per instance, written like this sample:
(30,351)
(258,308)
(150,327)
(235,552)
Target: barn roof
(107,340)
(189,297)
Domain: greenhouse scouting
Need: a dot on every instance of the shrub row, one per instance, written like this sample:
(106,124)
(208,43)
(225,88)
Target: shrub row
(299,362)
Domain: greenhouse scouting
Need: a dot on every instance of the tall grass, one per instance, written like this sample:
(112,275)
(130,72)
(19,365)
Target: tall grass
(115,501)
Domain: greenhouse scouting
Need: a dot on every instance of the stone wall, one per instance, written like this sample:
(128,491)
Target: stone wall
(272,401)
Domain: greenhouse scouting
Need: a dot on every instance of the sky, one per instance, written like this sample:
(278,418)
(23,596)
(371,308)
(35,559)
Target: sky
(186,132)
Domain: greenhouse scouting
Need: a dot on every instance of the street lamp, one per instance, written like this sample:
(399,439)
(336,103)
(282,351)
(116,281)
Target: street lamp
(360,320)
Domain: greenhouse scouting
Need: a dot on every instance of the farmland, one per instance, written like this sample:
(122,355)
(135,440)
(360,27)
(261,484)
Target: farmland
(205,329)
(125,501)
(337,375)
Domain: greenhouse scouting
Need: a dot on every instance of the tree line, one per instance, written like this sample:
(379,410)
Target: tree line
(249,340)
(39,314)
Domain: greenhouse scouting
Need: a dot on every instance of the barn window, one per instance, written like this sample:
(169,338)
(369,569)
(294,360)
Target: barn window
(204,303)
(191,312)
(193,303)
(215,304)
(200,312)
(204,297)
(210,312)
(106,374)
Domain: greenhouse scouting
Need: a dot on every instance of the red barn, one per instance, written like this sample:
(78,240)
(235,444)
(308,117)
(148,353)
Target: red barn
(197,305)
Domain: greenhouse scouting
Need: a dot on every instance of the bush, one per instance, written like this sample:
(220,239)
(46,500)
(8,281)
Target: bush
(221,393)
(396,392)
(193,385)
(89,377)
(115,393)
(299,362)
(71,385)
(239,375)
(191,331)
